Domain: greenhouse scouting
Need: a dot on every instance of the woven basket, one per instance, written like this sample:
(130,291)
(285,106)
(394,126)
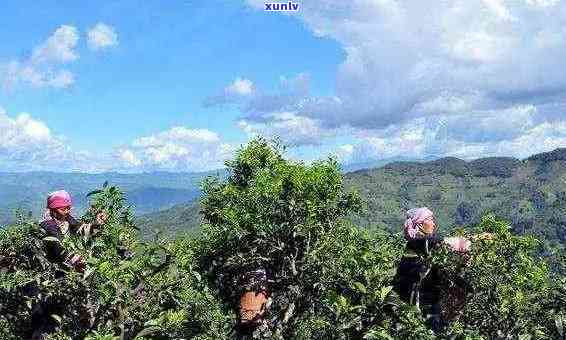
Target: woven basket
(252,306)
(452,303)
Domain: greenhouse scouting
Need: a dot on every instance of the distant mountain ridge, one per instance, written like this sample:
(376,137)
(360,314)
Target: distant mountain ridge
(530,193)
(147,192)
(355,166)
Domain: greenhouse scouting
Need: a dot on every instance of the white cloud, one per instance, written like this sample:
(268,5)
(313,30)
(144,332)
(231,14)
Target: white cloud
(58,48)
(129,158)
(425,137)
(543,3)
(298,85)
(293,130)
(446,103)
(23,130)
(240,87)
(27,143)
(443,78)
(489,126)
(344,153)
(274,114)
(38,77)
(101,36)
(42,68)
(244,92)
(499,9)
(480,46)
(177,149)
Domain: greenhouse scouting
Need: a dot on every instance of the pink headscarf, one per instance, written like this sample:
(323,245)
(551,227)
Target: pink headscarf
(59,199)
(415,218)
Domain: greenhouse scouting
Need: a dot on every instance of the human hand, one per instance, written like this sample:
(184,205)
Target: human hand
(458,244)
(101,218)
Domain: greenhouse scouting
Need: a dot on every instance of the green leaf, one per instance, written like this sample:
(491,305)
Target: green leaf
(559,322)
(360,286)
(94,192)
(197,276)
(148,331)
(56,318)
(384,292)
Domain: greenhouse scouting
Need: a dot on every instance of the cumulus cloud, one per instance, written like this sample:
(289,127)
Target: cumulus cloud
(58,48)
(291,129)
(177,149)
(398,58)
(42,68)
(27,143)
(239,90)
(37,77)
(240,87)
(24,132)
(543,3)
(128,157)
(425,138)
(101,36)
(45,65)
(255,102)
(448,78)
(274,114)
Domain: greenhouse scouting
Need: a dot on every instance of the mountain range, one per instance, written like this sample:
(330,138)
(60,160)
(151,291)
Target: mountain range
(146,192)
(530,193)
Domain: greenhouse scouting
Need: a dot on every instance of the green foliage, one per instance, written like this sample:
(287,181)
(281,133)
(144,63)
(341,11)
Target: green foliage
(327,278)
(513,292)
(128,287)
(529,194)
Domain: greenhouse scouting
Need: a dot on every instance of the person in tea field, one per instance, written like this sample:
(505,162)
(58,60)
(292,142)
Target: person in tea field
(420,283)
(59,223)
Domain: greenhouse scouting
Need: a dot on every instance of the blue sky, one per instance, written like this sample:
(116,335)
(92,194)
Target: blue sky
(179,85)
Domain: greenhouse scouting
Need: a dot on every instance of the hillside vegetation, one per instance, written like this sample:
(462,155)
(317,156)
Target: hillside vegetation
(327,278)
(530,194)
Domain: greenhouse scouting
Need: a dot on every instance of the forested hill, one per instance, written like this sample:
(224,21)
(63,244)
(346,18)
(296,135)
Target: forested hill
(530,193)
(276,238)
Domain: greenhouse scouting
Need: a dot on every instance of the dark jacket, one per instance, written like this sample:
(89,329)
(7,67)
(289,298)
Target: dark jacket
(55,250)
(414,270)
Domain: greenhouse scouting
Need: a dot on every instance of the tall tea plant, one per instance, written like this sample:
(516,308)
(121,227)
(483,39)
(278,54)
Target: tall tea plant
(513,293)
(288,218)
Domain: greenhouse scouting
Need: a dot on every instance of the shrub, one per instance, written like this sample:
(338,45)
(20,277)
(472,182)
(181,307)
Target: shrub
(327,278)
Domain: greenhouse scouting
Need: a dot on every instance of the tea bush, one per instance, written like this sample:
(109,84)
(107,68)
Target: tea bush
(327,278)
